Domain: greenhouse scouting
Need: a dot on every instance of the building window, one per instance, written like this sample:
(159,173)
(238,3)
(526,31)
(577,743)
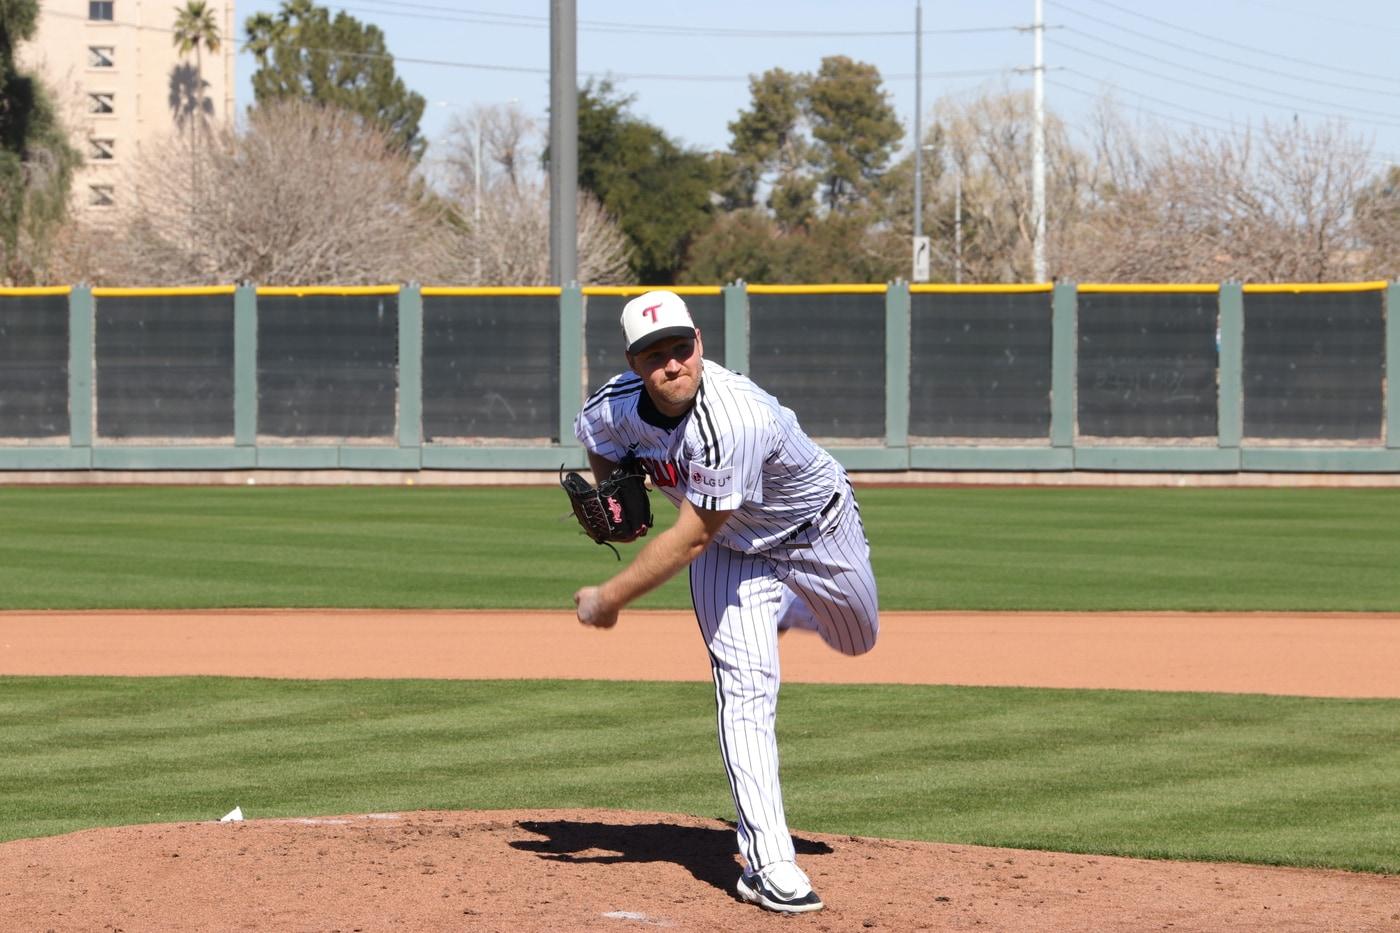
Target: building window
(102,195)
(101,103)
(100,9)
(101,150)
(102,56)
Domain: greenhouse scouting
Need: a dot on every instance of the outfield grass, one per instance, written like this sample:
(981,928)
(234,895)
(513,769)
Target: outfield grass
(1289,781)
(434,547)
(1295,781)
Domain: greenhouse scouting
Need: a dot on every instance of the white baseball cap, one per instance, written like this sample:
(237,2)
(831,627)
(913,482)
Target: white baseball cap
(653,316)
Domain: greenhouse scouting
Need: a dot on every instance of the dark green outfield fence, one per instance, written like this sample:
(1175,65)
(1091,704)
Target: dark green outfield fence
(1206,378)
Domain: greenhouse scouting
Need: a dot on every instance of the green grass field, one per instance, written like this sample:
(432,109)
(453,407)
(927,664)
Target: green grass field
(417,547)
(1283,780)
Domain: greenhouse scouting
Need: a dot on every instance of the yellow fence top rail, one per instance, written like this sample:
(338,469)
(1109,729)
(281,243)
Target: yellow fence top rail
(191,290)
(35,291)
(450,290)
(980,288)
(301,291)
(1277,287)
(839,289)
(626,290)
(1149,288)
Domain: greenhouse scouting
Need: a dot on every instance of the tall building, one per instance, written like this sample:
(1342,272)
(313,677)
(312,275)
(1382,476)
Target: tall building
(119,82)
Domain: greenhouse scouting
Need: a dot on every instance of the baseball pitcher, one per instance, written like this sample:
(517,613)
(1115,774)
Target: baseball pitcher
(769,528)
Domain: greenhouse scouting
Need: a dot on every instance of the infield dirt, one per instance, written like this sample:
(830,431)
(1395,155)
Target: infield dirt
(606,870)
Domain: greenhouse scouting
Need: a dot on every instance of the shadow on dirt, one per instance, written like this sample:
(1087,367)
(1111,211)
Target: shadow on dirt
(708,854)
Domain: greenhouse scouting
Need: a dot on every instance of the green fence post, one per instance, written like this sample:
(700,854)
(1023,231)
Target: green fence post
(1064,363)
(245,366)
(570,361)
(1392,365)
(81,310)
(1230,414)
(897,354)
(411,366)
(736,327)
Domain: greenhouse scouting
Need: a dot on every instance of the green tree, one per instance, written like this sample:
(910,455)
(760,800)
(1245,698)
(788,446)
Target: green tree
(658,190)
(767,139)
(303,53)
(855,127)
(36,161)
(831,133)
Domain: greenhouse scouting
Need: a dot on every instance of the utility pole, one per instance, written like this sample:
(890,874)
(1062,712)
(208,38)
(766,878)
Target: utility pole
(918,118)
(922,251)
(1038,147)
(563,142)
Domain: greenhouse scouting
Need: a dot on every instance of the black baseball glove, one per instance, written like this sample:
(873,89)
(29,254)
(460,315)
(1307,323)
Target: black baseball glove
(617,509)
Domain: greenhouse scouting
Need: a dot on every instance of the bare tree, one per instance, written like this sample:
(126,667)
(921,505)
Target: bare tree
(1378,224)
(304,195)
(986,143)
(1277,203)
(503,236)
(509,243)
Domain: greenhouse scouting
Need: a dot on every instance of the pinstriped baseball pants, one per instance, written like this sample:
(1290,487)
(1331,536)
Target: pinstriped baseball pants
(822,581)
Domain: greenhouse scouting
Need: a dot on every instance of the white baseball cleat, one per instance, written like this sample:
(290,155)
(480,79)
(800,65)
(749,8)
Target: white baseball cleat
(782,887)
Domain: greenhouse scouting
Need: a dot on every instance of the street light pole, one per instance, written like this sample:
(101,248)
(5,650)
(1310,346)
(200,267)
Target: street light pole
(1038,147)
(918,118)
(476,195)
(957,225)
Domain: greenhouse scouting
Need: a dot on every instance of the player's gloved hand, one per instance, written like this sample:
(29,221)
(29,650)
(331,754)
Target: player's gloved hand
(617,509)
(593,609)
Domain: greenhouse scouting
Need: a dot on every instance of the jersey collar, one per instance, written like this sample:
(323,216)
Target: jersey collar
(648,412)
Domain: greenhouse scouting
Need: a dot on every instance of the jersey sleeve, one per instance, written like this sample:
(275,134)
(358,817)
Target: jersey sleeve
(595,434)
(726,469)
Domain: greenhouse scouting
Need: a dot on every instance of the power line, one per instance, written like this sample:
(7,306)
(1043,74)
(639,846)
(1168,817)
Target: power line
(1379,158)
(1220,58)
(653,29)
(1228,80)
(1274,54)
(1253,100)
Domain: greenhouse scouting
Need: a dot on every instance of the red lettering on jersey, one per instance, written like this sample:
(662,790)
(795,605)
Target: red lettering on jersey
(662,472)
(651,311)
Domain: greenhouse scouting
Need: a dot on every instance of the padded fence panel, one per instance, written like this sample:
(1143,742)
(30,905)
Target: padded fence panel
(1148,365)
(602,336)
(1314,365)
(490,367)
(328,366)
(34,366)
(164,367)
(823,356)
(980,365)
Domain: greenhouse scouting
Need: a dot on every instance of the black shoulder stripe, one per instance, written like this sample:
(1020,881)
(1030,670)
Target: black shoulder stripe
(712,452)
(611,392)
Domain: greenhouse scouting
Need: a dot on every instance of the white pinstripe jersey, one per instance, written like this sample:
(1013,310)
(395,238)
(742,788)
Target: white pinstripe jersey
(737,449)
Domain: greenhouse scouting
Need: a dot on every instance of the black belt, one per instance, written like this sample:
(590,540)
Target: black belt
(830,504)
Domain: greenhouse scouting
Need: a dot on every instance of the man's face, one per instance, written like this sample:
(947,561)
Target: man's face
(670,370)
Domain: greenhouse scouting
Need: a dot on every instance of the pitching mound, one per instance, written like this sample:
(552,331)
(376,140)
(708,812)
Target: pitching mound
(588,870)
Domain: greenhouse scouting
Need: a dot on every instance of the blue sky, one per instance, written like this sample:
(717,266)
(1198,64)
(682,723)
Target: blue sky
(1219,65)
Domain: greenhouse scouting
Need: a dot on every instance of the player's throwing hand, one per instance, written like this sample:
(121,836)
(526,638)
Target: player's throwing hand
(592,610)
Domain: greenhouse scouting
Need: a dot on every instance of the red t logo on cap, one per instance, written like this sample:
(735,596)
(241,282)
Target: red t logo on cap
(651,311)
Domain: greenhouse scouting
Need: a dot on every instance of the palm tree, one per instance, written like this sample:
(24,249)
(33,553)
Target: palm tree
(196,30)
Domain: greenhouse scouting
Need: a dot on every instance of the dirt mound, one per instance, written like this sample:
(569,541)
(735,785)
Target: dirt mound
(588,870)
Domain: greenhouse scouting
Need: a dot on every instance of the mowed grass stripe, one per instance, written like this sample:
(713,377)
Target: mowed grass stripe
(1283,780)
(474,547)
